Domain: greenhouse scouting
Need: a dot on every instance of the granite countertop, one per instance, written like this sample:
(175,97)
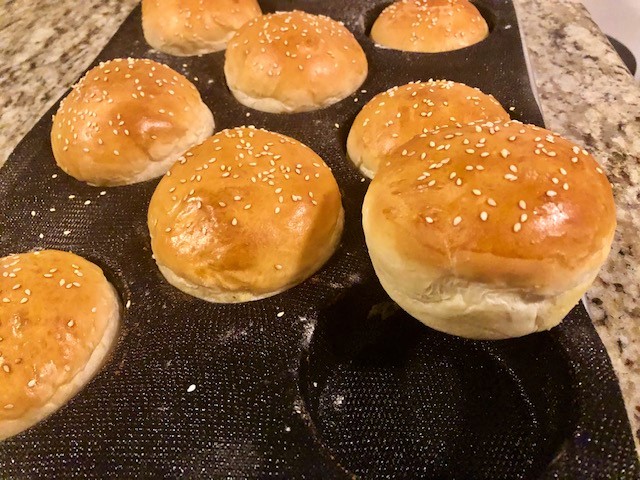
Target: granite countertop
(585,92)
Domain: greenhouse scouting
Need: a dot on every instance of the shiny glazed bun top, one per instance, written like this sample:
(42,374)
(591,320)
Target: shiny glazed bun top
(393,117)
(518,193)
(192,27)
(429,26)
(126,121)
(293,61)
(246,214)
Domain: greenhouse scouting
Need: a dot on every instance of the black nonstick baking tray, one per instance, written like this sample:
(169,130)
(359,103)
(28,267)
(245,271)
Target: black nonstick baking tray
(329,379)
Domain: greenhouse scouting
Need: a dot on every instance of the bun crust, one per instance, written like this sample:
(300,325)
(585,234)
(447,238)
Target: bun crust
(245,215)
(193,27)
(429,26)
(58,319)
(127,121)
(289,62)
(489,232)
(394,117)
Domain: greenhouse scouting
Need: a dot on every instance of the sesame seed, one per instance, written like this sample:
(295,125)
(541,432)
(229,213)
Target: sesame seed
(522,204)
(280,314)
(517,227)
(278,266)
(429,219)
(456,221)
(234,221)
(277,210)
(24,300)
(483,216)
(492,202)
(523,217)
(70,323)
(505,153)
(551,193)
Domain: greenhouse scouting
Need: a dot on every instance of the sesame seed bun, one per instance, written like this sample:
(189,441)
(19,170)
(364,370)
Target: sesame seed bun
(394,117)
(58,320)
(293,62)
(490,231)
(193,27)
(429,26)
(244,215)
(126,121)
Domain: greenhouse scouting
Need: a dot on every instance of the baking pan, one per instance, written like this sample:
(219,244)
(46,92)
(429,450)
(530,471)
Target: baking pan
(329,379)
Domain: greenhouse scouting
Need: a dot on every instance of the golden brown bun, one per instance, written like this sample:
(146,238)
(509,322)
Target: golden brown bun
(192,27)
(293,62)
(127,121)
(489,232)
(429,26)
(396,116)
(245,215)
(58,319)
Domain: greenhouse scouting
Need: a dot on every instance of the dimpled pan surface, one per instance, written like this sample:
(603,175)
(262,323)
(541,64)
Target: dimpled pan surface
(328,379)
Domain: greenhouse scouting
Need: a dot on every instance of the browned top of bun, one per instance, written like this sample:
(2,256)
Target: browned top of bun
(393,117)
(189,27)
(123,115)
(247,210)
(296,58)
(54,310)
(429,25)
(507,204)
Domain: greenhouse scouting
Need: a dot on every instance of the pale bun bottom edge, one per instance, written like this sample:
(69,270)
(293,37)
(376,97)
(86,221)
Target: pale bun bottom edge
(273,105)
(188,48)
(66,392)
(474,310)
(359,161)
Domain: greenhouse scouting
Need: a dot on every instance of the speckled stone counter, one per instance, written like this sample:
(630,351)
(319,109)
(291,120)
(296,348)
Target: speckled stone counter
(586,94)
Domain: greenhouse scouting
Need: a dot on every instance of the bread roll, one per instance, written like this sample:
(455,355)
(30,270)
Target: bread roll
(245,215)
(293,62)
(394,117)
(58,319)
(429,26)
(490,231)
(126,121)
(192,27)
